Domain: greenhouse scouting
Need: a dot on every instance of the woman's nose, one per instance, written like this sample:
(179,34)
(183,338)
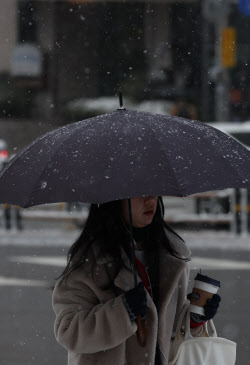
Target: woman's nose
(148,199)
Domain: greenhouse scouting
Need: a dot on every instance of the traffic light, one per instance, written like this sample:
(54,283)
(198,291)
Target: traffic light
(228,47)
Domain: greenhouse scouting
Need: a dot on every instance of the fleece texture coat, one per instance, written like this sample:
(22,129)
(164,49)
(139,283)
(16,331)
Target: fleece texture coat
(92,322)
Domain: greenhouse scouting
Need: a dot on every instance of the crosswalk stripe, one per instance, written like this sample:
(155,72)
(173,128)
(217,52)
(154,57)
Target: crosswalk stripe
(200,262)
(218,264)
(7,281)
(59,261)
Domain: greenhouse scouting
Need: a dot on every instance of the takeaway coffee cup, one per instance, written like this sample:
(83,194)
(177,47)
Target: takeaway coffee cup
(206,287)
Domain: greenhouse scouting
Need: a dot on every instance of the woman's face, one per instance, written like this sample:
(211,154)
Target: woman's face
(143,210)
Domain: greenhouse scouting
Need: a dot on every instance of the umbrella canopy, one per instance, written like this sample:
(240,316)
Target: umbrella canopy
(124,154)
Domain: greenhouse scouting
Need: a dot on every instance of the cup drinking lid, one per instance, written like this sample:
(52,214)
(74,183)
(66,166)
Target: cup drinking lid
(207,280)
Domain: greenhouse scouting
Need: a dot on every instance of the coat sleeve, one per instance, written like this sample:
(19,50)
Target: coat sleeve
(83,324)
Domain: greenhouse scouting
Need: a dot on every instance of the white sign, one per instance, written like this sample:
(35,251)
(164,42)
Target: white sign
(26,60)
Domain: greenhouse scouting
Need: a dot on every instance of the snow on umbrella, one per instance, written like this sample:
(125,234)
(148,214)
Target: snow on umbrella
(124,154)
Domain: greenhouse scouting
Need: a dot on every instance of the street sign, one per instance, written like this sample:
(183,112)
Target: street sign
(26,61)
(244,6)
(228,47)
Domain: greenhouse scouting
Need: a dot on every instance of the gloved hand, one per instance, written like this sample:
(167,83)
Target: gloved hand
(136,301)
(210,308)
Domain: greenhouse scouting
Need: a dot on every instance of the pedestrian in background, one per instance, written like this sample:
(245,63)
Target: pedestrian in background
(12,217)
(182,108)
(95,301)
(11,213)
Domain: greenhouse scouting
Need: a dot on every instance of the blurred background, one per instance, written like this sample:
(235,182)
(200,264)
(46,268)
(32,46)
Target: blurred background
(64,61)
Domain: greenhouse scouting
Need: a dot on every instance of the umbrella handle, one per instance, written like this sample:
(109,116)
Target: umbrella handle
(142,331)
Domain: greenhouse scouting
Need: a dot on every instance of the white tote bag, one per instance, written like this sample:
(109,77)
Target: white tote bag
(207,349)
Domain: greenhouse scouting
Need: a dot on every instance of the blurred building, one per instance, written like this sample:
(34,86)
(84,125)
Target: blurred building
(57,51)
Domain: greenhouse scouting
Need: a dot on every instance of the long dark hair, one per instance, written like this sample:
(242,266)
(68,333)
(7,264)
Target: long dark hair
(105,226)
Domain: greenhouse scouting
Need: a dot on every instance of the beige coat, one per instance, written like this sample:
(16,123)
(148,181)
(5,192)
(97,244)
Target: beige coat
(93,324)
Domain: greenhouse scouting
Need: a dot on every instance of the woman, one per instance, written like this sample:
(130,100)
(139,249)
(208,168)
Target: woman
(95,301)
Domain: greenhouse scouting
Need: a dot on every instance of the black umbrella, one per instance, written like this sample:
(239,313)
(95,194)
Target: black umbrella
(124,154)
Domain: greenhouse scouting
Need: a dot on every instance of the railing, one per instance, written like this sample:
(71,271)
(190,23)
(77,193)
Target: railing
(237,216)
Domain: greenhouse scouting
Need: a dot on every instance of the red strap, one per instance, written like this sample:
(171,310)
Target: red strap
(194,324)
(144,275)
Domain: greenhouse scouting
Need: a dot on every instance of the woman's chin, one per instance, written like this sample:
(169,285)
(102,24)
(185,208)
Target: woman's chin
(145,221)
(148,220)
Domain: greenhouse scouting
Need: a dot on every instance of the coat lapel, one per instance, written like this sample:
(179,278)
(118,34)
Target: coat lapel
(125,281)
(170,269)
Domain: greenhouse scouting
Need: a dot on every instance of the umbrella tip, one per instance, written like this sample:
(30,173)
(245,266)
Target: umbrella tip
(121,101)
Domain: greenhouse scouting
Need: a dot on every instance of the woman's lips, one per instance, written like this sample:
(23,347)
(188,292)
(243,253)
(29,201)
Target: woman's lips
(149,212)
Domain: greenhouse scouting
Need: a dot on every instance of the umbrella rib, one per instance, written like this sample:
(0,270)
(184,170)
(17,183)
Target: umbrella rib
(59,146)
(110,128)
(232,166)
(167,159)
(215,147)
(78,126)
(13,160)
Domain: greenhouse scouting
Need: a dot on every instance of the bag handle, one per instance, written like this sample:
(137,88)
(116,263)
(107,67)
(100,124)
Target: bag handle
(212,331)
(212,328)
(181,317)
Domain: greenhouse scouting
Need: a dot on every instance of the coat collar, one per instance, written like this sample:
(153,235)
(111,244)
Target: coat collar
(176,242)
(169,266)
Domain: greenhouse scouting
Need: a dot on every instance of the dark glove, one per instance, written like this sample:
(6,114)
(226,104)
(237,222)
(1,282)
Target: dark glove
(136,301)
(210,308)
